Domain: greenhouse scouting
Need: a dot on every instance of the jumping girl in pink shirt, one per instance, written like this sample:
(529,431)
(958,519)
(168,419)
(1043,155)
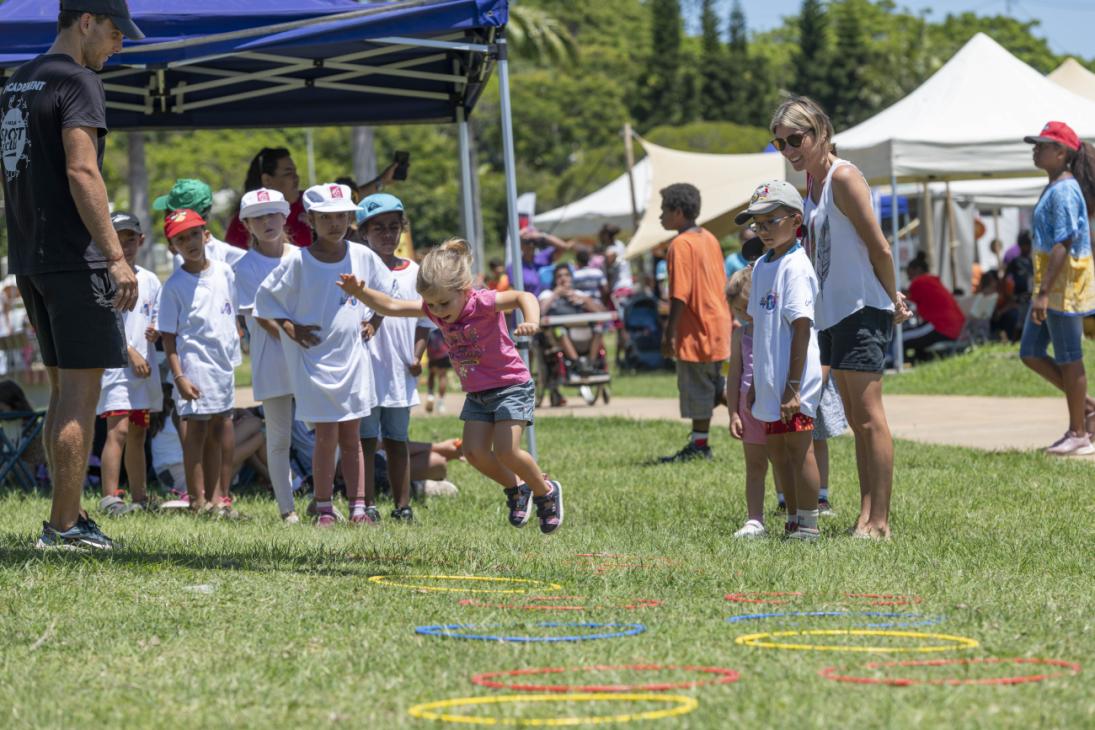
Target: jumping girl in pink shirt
(500,392)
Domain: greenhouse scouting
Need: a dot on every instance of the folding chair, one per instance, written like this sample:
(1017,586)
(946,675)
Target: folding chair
(12,449)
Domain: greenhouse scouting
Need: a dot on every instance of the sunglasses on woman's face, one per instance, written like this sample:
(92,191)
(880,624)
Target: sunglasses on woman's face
(794,139)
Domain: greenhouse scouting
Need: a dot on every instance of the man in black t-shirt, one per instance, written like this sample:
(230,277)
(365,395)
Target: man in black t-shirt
(63,250)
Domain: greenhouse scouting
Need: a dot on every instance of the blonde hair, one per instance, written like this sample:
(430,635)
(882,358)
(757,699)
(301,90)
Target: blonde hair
(445,268)
(740,284)
(806,115)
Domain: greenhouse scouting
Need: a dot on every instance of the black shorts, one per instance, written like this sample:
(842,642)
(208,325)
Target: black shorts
(858,342)
(441,363)
(74,316)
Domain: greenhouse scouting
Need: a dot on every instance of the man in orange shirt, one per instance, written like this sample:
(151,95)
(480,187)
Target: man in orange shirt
(698,332)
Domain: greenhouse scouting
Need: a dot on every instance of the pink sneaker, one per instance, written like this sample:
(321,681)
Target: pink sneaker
(1073,444)
(326,519)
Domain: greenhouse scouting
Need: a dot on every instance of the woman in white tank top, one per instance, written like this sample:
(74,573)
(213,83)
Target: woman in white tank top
(858,302)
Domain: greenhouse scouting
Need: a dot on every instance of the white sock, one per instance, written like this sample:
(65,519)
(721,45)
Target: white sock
(699,439)
(823,493)
(807,518)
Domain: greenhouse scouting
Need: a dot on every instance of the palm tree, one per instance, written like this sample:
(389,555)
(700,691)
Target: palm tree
(536,36)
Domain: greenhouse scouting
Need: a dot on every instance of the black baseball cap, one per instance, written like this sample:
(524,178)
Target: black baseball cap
(117,10)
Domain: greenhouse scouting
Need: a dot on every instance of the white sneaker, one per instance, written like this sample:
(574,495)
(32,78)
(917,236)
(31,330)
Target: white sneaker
(1072,445)
(429,403)
(439,488)
(290,519)
(752,528)
(440,407)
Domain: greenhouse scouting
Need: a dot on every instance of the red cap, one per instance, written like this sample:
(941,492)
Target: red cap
(181,220)
(1058,132)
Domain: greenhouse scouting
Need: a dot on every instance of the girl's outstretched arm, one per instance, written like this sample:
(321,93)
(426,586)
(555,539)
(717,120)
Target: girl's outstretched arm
(378,301)
(507,301)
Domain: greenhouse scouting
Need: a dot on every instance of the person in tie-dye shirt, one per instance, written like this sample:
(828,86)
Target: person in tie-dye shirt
(1064,278)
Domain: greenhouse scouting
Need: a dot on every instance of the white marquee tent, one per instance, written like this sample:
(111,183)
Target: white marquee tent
(609,205)
(1075,77)
(967,121)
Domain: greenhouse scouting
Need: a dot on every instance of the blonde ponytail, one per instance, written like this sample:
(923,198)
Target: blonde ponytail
(445,268)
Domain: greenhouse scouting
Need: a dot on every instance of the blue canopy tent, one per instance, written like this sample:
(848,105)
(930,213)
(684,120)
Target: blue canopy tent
(238,63)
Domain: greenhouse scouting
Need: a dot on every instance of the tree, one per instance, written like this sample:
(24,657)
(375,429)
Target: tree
(847,68)
(714,73)
(658,94)
(812,56)
(535,36)
(742,85)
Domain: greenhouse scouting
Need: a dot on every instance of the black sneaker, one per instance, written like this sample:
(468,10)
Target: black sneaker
(403,514)
(372,513)
(517,500)
(549,508)
(824,509)
(84,535)
(689,452)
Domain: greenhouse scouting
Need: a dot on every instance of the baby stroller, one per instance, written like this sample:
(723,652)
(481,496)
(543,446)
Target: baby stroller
(644,334)
(552,369)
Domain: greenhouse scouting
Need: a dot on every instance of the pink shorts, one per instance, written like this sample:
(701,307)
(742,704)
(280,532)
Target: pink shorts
(753,431)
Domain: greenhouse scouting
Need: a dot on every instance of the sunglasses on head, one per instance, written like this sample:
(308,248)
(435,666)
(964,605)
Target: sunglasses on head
(794,139)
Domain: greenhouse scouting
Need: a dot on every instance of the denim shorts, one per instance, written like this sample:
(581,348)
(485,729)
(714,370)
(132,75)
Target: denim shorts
(508,403)
(1065,332)
(391,423)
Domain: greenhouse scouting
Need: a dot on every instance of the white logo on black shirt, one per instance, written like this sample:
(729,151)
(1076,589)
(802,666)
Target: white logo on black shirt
(14,144)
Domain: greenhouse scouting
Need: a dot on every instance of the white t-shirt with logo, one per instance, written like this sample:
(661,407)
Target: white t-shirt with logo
(391,350)
(269,372)
(783,290)
(200,310)
(217,250)
(122,390)
(332,380)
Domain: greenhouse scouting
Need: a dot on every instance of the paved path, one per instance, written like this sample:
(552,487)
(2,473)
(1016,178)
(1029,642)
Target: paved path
(992,424)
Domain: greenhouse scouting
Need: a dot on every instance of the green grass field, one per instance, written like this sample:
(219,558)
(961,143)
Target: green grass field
(203,624)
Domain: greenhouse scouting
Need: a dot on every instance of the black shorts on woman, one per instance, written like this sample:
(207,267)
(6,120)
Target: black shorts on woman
(859,342)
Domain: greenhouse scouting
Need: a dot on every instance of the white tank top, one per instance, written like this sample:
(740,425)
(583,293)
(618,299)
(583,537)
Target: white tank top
(844,273)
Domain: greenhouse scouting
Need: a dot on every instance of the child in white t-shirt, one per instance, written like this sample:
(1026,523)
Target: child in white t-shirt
(197,320)
(786,362)
(322,329)
(129,394)
(264,212)
(396,358)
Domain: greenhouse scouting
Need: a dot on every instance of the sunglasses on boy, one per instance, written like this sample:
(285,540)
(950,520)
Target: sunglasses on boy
(794,140)
(758,226)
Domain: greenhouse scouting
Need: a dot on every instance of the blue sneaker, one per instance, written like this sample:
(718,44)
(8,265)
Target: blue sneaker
(549,508)
(517,499)
(84,535)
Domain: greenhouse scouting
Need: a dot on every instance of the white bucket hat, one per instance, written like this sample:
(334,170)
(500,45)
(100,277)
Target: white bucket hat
(329,198)
(259,202)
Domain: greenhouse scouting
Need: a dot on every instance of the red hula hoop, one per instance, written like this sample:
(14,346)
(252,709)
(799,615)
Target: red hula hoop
(1073,667)
(725,676)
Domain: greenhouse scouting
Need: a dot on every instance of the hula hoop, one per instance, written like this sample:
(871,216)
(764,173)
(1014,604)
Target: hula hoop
(683,705)
(922,619)
(725,676)
(446,631)
(383,580)
(777,598)
(537,604)
(1074,668)
(756,640)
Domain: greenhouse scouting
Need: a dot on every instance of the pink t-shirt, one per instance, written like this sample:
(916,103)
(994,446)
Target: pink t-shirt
(480,347)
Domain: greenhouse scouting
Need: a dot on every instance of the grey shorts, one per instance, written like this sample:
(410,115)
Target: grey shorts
(830,421)
(698,384)
(391,423)
(509,403)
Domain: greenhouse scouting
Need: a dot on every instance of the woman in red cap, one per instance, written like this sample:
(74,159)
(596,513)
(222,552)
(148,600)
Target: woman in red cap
(1064,278)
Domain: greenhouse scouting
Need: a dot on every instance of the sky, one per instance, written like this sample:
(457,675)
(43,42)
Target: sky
(1067,24)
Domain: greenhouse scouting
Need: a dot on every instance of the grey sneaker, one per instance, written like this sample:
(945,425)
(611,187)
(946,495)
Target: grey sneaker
(84,535)
(114,506)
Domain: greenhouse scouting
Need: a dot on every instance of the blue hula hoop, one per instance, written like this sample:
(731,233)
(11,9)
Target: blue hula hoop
(446,631)
(919,618)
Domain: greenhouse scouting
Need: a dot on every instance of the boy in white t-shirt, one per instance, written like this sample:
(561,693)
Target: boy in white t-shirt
(197,320)
(128,394)
(786,386)
(396,354)
(196,195)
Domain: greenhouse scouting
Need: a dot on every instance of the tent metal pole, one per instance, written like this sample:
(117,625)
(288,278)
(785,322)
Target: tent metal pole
(513,241)
(465,190)
(898,335)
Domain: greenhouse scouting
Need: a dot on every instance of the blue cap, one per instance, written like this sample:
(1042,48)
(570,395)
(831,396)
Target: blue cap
(377,204)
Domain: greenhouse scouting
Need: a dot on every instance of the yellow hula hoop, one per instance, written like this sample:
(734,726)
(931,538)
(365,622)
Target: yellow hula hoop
(383,580)
(756,640)
(683,705)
